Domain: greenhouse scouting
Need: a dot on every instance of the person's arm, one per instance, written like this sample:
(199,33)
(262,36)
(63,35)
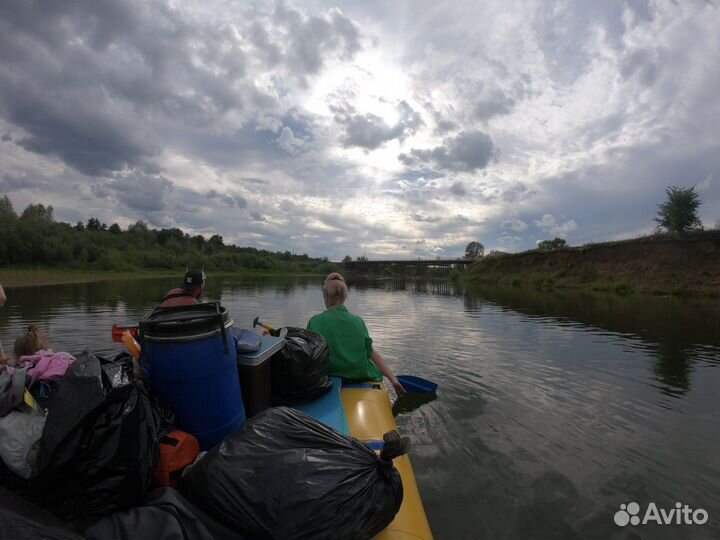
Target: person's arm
(379,361)
(2,296)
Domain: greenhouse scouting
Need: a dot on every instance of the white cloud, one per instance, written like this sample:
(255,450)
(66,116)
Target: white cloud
(514,224)
(705,184)
(509,239)
(288,142)
(548,224)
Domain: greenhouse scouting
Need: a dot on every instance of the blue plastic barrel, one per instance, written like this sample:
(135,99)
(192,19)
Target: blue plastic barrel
(190,360)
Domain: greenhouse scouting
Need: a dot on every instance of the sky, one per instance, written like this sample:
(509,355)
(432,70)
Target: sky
(396,129)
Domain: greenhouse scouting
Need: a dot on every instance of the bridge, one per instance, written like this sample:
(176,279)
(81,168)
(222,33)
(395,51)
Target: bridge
(406,267)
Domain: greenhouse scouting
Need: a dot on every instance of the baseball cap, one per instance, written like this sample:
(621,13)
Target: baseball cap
(192,279)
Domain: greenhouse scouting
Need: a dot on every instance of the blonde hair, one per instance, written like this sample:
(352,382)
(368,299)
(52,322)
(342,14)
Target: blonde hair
(335,289)
(31,342)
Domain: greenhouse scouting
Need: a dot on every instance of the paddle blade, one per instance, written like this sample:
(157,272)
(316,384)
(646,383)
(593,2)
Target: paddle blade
(417,384)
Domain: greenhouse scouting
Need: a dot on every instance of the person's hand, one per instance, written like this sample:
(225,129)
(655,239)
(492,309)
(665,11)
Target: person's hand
(399,389)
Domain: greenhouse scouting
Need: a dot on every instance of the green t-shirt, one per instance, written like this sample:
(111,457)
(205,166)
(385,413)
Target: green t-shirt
(349,343)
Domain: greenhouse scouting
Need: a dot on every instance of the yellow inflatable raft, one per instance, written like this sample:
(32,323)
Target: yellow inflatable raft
(369,415)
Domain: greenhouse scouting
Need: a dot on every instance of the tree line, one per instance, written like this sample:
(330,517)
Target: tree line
(34,238)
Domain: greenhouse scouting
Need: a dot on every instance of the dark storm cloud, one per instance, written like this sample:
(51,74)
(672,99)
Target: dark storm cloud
(468,152)
(642,63)
(91,142)
(514,191)
(237,201)
(514,224)
(458,188)
(108,85)
(253,180)
(563,26)
(496,104)
(310,40)
(74,75)
(485,99)
(137,191)
(444,126)
(13,182)
(269,52)
(422,196)
(370,131)
(424,218)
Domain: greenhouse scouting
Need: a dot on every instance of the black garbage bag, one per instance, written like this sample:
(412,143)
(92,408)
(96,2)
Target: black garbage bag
(300,371)
(12,481)
(20,519)
(286,476)
(100,443)
(163,515)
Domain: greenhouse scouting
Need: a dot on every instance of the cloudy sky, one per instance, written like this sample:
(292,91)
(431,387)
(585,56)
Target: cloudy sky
(404,128)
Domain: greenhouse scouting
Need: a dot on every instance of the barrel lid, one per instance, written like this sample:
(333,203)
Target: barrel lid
(185,321)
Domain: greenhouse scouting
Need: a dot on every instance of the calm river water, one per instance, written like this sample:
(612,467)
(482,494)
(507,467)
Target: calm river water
(553,410)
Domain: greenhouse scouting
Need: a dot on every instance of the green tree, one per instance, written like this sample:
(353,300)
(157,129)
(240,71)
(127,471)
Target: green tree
(215,243)
(6,208)
(347,259)
(93,224)
(36,239)
(474,250)
(679,213)
(38,212)
(555,243)
(495,253)
(362,258)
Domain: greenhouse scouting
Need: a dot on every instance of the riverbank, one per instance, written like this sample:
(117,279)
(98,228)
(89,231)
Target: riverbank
(49,276)
(661,265)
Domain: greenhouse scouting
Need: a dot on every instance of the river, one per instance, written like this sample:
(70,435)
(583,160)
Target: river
(554,408)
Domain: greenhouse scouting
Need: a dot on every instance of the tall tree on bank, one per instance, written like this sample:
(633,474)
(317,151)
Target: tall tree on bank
(679,213)
(474,251)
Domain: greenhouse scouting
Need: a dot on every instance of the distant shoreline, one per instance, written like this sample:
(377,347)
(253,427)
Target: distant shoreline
(678,266)
(40,277)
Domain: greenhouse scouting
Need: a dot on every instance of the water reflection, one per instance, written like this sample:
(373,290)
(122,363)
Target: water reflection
(683,320)
(670,328)
(436,286)
(673,367)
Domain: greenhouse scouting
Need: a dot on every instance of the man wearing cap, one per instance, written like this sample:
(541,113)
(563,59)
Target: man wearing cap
(188,293)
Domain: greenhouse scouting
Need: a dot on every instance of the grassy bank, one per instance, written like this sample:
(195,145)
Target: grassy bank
(19,277)
(661,264)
